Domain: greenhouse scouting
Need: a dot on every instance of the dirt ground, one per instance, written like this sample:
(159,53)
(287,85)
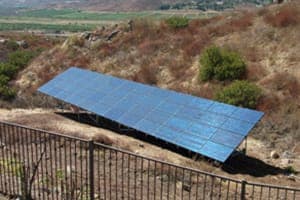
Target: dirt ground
(257,166)
(3,197)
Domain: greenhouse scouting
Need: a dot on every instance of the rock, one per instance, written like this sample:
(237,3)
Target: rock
(296,149)
(179,185)
(130,23)
(94,38)
(187,187)
(112,35)
(274,155)
(164,178)
(286,162)
(287,154)
(3,41)
(292,177)
(141,145)
(85,35)
(23,44)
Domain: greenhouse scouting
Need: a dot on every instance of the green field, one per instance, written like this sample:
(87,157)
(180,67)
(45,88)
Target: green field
(46,27)
(82,15)
(99,16)
(76,21)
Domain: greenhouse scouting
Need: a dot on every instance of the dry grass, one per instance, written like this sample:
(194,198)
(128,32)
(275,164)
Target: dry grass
(76,41)
(284,82)
(255,71)
(150,47)
(243,22)
(234,24)
(146,75)
(251,53)
(268,103)
(287,15)
(178,67)
(206,91)
(80,61)
(196,44)
(107,50)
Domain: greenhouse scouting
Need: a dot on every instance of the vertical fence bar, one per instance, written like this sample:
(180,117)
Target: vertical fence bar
(91,169)
(243,190)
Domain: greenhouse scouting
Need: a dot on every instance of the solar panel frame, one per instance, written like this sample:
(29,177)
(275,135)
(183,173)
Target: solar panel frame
(203,126)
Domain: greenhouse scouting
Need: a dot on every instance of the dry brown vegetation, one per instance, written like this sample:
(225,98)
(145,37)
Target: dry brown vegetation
(285,16)
(146,75)
(153,53)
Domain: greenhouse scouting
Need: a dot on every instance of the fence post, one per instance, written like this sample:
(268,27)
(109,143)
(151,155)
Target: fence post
(243,190)
(91,170)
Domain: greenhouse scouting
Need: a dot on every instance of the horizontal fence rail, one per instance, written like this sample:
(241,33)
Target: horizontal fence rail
(37,164)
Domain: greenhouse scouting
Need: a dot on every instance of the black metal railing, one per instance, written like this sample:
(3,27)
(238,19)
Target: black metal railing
(43,165)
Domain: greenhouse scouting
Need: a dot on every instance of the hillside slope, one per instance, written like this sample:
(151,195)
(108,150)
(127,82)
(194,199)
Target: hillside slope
(154,53)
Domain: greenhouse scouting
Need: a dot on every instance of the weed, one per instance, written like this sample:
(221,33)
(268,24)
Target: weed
(290,170)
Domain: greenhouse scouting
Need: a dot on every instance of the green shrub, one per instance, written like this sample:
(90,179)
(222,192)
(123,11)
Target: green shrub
(16,61)
(177,22)
(5,91)
(290,170)
(8,69)
(240,93)
(12,45)
(20,59)
(221,64)
(211,58)
(3,80)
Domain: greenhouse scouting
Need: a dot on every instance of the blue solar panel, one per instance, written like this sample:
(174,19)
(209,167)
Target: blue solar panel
(200,125)
(158,116)
(201,130)
(130,119)
(227,138)
(216,151)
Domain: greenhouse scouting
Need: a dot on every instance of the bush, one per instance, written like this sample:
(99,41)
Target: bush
(3,80)
(165,7)
(5,91)
(20,59)
(16,61)
(177,22)
(12,45)
(7,69)
(221,64)
(290,170)
(240,93)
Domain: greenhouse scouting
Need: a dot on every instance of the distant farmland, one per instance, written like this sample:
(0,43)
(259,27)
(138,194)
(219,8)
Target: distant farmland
(46,27)
(76,21)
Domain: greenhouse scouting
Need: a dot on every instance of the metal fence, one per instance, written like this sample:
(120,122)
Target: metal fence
(43,165)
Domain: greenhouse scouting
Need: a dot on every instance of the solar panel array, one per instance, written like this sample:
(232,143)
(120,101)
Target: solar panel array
(200,125)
